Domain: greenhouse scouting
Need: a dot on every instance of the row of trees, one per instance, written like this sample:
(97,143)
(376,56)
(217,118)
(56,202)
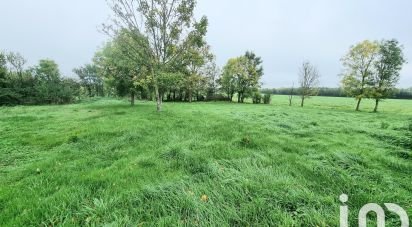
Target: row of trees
(193,78)
(158,51)
(41,84)
(162,42)
(164,56)
(371,70)
(398,93)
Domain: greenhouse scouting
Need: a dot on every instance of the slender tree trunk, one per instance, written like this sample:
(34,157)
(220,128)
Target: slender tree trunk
(303,101)
(238,97)
(132,98)
(358,105)
(158,99)
(157,93)
(190,96)
(376,105)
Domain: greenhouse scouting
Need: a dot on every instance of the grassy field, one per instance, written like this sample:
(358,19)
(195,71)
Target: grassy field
(103,162)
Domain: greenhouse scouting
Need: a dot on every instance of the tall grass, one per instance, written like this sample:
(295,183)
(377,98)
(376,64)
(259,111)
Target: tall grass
(222,164)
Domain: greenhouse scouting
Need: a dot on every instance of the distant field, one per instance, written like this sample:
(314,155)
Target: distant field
(220,164)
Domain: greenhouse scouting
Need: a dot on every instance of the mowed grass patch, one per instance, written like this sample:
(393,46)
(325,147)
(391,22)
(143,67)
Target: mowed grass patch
(224,164)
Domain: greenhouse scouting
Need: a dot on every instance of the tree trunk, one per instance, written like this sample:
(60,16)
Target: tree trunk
(158,99)
(303,101)
(358,105)
(376,105)
(132,98)
(190,96)
(238,97)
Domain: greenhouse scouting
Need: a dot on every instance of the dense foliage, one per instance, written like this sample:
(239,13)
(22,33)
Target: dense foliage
(41,84)
(242,76)
(372,70)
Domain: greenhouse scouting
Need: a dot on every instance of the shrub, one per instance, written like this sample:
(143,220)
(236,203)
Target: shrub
(267,98)
(217,97)
(257,98)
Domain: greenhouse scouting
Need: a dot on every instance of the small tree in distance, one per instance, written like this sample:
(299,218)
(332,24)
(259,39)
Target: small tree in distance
(291,94)
(308,80)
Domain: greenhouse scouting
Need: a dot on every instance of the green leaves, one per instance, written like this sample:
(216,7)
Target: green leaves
(242,75)
(388,66)
(372,69)
(170,36)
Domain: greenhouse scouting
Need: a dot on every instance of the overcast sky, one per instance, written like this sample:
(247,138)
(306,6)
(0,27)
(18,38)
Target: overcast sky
(283,32)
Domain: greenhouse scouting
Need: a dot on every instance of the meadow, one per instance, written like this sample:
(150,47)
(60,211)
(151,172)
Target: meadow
(103,162)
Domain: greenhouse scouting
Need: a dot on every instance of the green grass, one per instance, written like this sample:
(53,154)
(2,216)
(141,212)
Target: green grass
(106,163)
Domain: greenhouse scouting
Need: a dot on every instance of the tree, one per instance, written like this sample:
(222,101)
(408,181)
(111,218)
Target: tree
(3,70)
(242,75)
(230,75)
(122,69)
(47,77)
(308,80)
(212,72)
(388,65)
(16,83)
(17,62)
(90,80)
(6,94)
(248,83)
(193,62)
(290,95)
(358,70)
(168,27)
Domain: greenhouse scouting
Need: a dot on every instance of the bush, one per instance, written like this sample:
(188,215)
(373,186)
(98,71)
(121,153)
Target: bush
(218,97)
(257,98)
(267,98)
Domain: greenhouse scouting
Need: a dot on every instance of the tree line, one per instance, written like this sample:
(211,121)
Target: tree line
(164,57)
(398,93)
(371,70)
(40,84)
(158,51)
